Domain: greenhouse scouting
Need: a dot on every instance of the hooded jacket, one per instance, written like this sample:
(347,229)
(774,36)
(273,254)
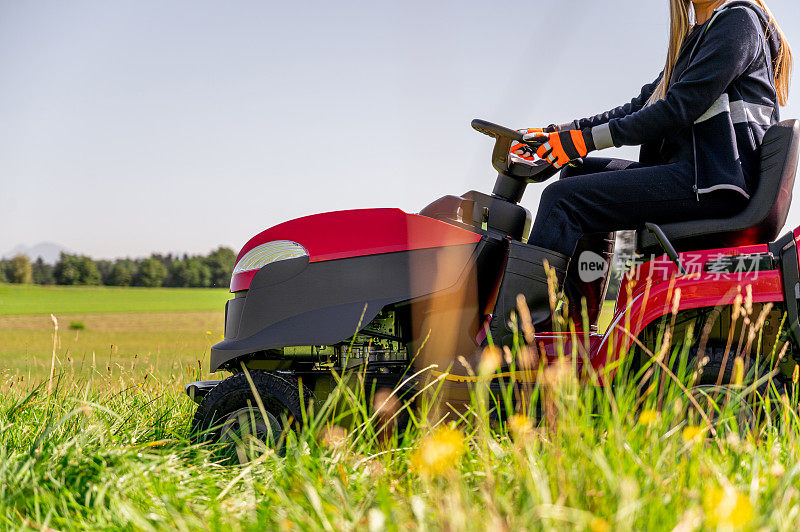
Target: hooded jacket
(719,104)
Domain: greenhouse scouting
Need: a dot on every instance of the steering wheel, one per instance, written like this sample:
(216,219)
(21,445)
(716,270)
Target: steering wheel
(537,172)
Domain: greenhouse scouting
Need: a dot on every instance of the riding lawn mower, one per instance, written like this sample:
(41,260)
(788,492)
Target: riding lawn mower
(402,298)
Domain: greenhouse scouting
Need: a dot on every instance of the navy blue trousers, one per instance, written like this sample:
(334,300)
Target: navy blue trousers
(605,195)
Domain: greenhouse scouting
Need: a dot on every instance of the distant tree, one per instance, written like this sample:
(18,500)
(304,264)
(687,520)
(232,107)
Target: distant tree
(43,272)
(104,268)
(166,260)
(151,273)
(120,275)
(76,270)
(20,270)
(190,271)
(132,265)
(157,270)
(3,268)
(88,272)
(220,263)
(66,270)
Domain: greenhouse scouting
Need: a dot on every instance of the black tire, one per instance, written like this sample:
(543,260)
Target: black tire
(710,371)
(724,406)
(743,408)
(280,396)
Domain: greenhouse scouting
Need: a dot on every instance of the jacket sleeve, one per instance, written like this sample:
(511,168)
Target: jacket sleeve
(623,110)
(731,44)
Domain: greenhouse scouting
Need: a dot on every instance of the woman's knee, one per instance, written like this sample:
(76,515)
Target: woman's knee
(572,169)
(556,192)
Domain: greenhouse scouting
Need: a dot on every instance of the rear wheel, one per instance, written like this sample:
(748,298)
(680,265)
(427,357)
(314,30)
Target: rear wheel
(725,407)
(230,413)
(730,406)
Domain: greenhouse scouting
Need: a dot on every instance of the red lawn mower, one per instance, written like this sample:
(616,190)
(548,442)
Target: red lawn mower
(390,293)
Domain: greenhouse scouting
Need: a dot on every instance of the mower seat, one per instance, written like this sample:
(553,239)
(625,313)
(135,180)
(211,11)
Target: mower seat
(761,219)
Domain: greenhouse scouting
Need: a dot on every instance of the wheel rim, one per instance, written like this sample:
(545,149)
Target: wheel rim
(725,407)
(247,428)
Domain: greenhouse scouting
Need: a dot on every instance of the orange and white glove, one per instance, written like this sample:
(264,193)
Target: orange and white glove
(561,147)
(522,153)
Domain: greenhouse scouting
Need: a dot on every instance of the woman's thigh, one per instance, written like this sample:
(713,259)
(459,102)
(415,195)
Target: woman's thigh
(626,199)
(596,165)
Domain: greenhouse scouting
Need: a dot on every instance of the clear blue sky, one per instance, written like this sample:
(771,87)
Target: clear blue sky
(139,126)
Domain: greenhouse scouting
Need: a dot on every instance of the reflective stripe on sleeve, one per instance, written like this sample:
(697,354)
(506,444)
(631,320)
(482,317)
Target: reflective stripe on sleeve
(601,135)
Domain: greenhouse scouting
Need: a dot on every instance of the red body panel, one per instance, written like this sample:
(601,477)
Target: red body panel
(654,285)
(354,233)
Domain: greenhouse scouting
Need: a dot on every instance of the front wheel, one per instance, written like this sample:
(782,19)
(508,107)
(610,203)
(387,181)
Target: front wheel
(230,414)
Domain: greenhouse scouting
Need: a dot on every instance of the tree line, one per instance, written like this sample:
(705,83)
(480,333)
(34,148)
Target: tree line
(156,270)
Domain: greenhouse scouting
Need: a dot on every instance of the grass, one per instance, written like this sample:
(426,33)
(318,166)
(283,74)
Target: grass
(114,453)
(32,299)
(108,447)
(606,314)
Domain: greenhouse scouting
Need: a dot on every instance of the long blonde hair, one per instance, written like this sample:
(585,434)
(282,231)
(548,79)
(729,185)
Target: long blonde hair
(680,24)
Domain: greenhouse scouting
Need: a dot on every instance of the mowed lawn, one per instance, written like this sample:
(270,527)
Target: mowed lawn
(157,331)
(32,299)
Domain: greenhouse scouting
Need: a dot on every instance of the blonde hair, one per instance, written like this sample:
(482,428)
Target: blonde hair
(680,24)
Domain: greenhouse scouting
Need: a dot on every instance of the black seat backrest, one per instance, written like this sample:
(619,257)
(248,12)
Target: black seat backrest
(765,214)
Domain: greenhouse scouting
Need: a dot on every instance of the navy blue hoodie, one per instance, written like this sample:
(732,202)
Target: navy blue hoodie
(720,102)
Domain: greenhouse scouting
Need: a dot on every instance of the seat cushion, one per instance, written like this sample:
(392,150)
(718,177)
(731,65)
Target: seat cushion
(765,214)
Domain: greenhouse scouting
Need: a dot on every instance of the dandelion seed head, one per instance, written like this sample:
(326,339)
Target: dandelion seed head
(333,436)
(491,359)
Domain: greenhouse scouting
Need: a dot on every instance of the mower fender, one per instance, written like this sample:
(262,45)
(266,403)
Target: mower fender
(696,290)
(197,390)
(327,302)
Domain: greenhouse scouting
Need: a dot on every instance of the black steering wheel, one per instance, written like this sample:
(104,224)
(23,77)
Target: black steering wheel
(537,172)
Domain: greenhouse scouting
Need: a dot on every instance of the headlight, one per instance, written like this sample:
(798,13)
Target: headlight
(267,253)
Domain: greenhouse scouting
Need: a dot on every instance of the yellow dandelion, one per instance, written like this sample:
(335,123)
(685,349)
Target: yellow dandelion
(438,453)
(208,332)
(158,443)
(598,524)
(726,508)
(648,417)
(692,433)
(520,426)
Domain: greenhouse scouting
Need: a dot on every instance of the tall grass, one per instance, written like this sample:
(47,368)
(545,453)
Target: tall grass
(645,452)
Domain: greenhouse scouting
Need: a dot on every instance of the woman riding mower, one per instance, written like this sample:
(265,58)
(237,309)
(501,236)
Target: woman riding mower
(700,125)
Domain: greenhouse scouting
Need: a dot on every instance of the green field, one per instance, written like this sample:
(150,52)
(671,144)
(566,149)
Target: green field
(139,330)
(31,299)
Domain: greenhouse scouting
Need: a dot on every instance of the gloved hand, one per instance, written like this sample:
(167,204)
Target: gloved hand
(522,153)
(561,147)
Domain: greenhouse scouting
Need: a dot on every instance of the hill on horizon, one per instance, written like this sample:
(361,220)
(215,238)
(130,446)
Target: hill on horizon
(48,251)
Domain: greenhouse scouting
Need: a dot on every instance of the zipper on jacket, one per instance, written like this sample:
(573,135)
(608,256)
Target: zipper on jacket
(694,151)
